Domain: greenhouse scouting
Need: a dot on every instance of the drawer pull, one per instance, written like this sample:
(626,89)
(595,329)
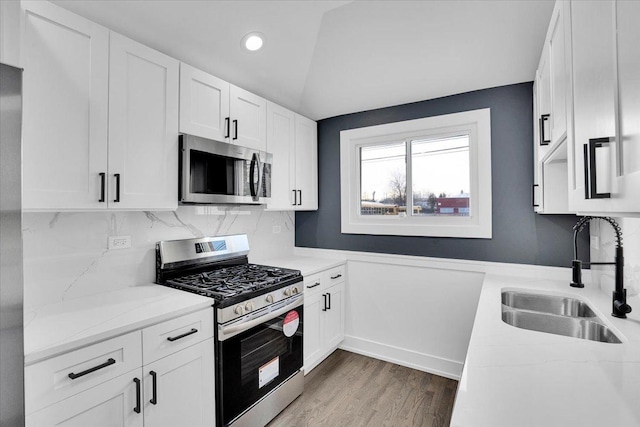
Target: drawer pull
(154,383)
(337,276)
(109,362)
(314,285)
(186,334)
(137,408)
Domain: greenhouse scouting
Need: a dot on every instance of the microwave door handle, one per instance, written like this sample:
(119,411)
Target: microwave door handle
(254,185)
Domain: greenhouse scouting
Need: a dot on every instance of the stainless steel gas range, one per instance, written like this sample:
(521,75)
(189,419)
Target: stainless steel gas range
(258,322)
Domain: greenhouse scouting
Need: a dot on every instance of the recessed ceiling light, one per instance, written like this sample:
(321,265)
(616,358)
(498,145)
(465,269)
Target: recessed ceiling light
(253,41)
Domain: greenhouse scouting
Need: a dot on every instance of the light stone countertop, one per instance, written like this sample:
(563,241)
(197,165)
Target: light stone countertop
(58,328)
(516,377)
(307,265)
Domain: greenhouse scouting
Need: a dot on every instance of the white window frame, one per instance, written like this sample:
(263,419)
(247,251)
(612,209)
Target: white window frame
(477,123)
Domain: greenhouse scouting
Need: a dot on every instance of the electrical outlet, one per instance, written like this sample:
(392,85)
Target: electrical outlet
(595,242)
(119,242)
(276,229)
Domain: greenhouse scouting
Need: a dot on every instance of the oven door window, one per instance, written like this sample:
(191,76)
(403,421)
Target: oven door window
(255,362)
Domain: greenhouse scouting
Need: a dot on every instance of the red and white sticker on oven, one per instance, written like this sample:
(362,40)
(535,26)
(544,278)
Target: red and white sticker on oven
(291,322)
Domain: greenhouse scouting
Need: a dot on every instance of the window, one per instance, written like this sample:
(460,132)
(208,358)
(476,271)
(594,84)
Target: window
(424,177)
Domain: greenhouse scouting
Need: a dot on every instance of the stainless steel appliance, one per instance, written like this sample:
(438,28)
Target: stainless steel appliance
(11,293)
(259,320)
(217,172)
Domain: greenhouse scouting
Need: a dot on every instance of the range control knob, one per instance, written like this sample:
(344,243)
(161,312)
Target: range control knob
(295,290)
(248,306)
(270,299)
(287,292)
(238,309)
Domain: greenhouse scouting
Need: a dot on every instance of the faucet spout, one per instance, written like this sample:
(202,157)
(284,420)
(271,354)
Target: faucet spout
(620,308)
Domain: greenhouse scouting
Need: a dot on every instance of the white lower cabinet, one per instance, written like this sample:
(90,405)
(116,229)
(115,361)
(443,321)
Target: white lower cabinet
(107,384)
(323,315)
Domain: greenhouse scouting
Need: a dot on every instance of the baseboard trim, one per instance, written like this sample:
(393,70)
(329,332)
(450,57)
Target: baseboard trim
(411,359)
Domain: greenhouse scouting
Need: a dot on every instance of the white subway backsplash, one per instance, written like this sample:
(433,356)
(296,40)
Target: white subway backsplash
(66,255)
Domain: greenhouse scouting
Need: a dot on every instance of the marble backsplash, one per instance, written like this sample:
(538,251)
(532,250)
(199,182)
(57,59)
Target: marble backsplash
(604,276)
(66,255)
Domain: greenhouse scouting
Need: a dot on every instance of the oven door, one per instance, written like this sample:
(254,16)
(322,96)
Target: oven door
(252,362)
(216,172)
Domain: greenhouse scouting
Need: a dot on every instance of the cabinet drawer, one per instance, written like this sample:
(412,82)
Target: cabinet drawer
(312,284)
(50,381)
(173,335)
(334,276)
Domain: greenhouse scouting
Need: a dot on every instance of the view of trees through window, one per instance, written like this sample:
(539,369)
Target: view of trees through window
(439,182)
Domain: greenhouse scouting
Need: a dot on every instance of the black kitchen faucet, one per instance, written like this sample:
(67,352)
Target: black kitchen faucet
(620,306)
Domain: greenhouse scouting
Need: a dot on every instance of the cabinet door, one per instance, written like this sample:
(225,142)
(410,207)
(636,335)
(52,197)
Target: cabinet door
(544,98)
(334,316)
(65,58)
(248,119)
(184,388)
(143,127)
(593,57)
(558,74)
(628,163)
(204,104)
(109,404)
(313,331)
(281,143)
(306,163)
(536,195)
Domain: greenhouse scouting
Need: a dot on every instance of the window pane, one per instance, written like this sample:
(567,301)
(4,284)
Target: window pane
(383,179)
(440,176)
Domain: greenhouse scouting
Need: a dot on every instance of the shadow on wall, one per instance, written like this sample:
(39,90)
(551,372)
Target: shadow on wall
(519,235)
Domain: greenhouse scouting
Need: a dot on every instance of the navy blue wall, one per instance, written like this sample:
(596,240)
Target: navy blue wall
(519,235)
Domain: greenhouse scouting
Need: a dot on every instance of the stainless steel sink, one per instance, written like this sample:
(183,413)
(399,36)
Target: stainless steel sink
(552,304)
(559,325)
(554,314)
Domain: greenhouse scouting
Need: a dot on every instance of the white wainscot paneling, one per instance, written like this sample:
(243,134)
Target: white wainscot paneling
(411,315)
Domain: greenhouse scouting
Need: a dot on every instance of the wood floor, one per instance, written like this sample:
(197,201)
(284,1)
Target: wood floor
(349,390)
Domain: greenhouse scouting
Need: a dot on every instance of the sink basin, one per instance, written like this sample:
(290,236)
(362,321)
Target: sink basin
(552,304)
(575,327)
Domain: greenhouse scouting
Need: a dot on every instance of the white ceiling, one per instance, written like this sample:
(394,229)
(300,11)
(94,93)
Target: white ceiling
(326,58)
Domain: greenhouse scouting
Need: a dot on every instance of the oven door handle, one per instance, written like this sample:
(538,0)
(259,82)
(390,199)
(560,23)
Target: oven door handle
(230,331)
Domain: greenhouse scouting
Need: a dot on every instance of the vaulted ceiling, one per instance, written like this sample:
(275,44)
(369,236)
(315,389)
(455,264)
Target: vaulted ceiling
(326,58)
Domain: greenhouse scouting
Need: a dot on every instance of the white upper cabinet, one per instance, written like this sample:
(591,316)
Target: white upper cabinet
(213,108)
(604,167)
(143,127)
(292,139)
(558,75)
(204,104)
(628,52)
(100,117)
(248,119)
(65,59)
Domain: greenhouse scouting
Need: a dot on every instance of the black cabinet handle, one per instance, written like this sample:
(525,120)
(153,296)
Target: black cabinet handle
(235,127)
(314,285)
(543,120)
(137,408)
(593,190)
(154,388)
(329,301)
(337,276)
(117,176)
(109,362)
(533,195)
(186,334)
(102,186)
(226,125)
(295,198)
(300,198)
(324,296)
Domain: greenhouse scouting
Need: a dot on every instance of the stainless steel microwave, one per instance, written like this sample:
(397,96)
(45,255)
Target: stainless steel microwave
(217,172)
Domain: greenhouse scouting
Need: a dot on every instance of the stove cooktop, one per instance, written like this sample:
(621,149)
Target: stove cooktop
(231,284)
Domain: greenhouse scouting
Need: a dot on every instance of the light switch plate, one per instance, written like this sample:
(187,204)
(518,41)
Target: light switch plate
(595,242)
